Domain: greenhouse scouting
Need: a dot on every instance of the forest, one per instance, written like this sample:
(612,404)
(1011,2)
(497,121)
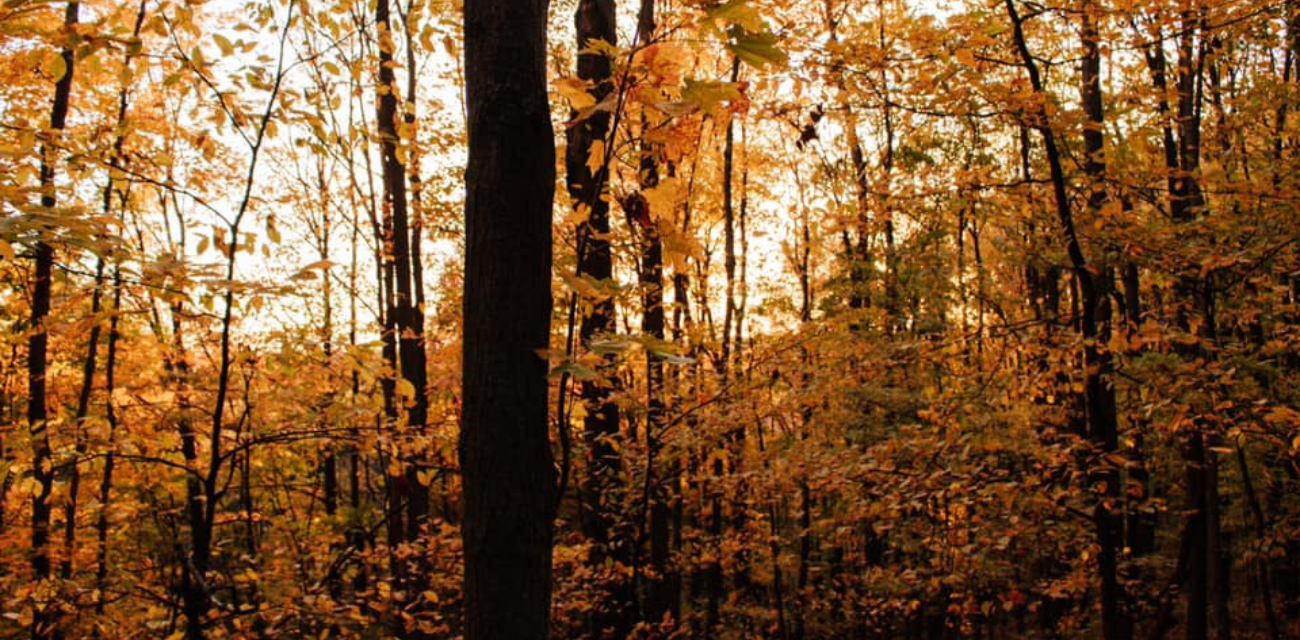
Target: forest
(650,319)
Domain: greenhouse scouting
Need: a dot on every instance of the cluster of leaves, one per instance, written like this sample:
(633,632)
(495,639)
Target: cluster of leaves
(864,414)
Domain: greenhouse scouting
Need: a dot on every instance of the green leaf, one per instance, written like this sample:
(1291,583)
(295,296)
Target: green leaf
(575,370)
(737,12)
(56,66)
(756,49)
(710,94)
(610,345)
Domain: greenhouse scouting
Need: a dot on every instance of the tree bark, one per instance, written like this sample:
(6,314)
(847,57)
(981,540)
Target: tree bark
(504,448)
(44,623)
(405,318)
(1094,314)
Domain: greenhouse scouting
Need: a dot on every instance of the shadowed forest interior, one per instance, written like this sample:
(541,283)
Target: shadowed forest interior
(849,319)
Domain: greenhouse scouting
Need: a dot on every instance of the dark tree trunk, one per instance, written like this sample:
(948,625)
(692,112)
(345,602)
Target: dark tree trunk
(405,318)
(504,448)
(44,624)
(1103,423)
(600,491)
(110,456)
(88,368)
(659,597)
(105,488)
(1093,285)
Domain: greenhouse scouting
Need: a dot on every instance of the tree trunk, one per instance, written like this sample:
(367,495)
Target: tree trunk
(110,456)
(405,319)
(504,448)
(600,491)
(44,623)
(1094,314)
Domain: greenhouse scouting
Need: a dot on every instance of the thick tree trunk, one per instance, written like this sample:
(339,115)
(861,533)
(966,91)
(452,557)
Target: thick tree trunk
(504,447)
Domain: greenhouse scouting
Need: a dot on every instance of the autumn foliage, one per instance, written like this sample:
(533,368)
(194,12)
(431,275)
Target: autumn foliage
(870,319)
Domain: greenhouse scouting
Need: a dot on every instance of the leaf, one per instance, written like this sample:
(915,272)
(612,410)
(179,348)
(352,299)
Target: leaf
(710,95)
(223,43)
(405,389)
(676,360)
(606,105)
(575,91)
(610,345)
(321,265)
(574,370)
(596,156)
(678,109)
(737,12)
(272,233)
(757,49)
(6,251)
(663,198)
(56,66)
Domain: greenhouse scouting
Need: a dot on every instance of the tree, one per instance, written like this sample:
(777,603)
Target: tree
(44,624)
(504,449)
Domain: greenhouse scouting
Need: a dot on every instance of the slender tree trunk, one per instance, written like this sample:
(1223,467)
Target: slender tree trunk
(729,240)
(110,455)
(659,598)
(415,364)
(893,297)
(105,488)
(506,466)
(586,163)
(88,368)
(44,622)
(1261,529)
(405,318)
(1094,314)
(1100,395)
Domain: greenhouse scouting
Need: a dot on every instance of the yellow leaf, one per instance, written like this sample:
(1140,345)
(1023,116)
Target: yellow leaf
(224,44)
(405,389)
(56,66)
(664,197)
(319,264)
(575,91)
(606,105)
(596,156)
